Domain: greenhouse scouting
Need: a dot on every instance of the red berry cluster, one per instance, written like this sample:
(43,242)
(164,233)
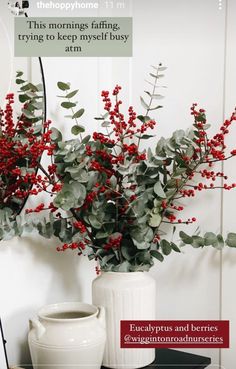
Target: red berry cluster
(102,138)
(80,226)
(72,246)
(123,129)
(97,270)
(189,221)
(17,154)
(38,209)
(113,242)
(145,126)
(215,145)
(116,90)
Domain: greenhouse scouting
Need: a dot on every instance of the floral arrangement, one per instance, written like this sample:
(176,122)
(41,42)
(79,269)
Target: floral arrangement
(110,198)
(22,143)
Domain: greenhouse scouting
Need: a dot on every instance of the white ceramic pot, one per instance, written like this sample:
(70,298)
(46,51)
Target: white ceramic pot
(68,336)
(125,296)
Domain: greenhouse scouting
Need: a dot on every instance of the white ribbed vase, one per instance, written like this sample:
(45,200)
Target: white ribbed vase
(125,296)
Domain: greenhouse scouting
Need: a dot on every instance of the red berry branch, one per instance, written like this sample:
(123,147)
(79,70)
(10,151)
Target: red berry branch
(20,151)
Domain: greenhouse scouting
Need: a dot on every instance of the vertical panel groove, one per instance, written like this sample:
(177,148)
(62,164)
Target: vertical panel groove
(131,62)
(29,69)
(222,169)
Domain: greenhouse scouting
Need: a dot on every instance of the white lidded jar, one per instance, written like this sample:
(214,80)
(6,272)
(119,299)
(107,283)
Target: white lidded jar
(68,336)
(125,296)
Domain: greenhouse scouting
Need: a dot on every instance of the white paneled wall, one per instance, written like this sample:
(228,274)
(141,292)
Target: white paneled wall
(229,200)
(193,50)
(190,38)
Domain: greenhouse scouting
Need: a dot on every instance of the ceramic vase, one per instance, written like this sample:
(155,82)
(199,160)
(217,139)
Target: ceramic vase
(125,296)
(68,336)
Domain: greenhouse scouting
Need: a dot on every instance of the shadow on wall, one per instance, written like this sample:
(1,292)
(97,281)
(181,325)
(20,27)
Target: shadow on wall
(55,271)
(179,283)
(39,275)
(229,258)
(16,327)
(184,266)
(62,267)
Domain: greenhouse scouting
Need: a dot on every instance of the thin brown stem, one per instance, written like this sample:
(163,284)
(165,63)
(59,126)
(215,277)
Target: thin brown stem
(73,212)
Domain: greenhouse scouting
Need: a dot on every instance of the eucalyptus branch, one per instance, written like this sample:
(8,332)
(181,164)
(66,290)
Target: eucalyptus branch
(78,129)
(76,120)
(153,91)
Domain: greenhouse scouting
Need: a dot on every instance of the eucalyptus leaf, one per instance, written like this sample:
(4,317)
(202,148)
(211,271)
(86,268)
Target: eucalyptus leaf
(65,200)
(145,137)
(29,87)
(28,114)
(68,105)
(153,75)
(165,247)
(161,69)
(210,238)
(154,96)
(100,235)
(128,250)
(123,267)
(156,107)
(71,94)
(106,124)
(220,243)
(56,134)
(19,73)
(185,238)
(197,241)
(63,86)
(175,247)
(155,220)
(157,255)
(231,240)
(77,129)
(78,114)
(144,104)
(23,98)
(19,81)
(94,222)
(159,190)
(86,139)
(141,245)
